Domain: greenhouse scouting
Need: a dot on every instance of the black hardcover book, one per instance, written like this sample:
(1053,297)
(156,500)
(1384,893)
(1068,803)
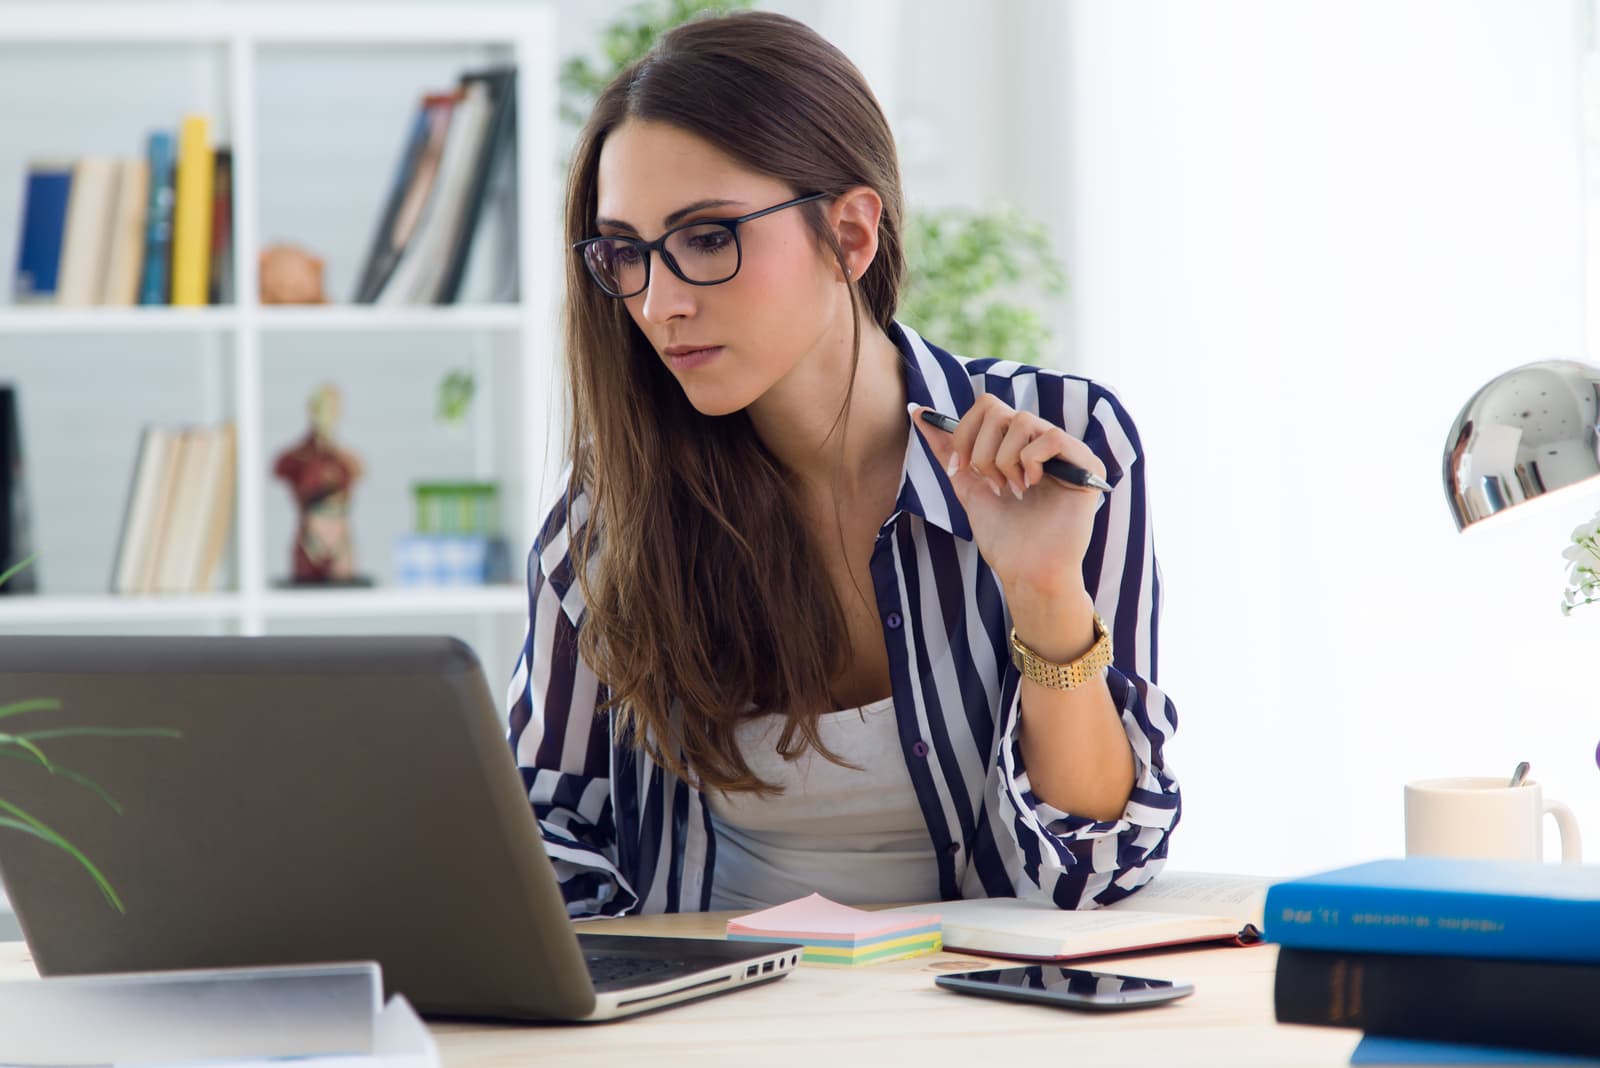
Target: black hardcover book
(499,149)
(15,540)
(1530,1005)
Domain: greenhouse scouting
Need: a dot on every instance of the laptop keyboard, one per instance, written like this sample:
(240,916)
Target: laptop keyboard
(615,973)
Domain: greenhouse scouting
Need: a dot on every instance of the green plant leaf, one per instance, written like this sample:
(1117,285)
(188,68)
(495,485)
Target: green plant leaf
(102,732)
(65,773)
(35,704)
(22,741)
(27,823)
(5,576)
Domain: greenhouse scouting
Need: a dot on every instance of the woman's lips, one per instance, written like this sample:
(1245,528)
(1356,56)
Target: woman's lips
(687,359)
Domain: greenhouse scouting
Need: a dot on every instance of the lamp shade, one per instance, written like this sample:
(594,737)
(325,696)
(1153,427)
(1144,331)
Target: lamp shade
(1527,432)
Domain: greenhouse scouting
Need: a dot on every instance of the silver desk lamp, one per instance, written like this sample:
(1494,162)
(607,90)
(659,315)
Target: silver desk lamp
(1528,432)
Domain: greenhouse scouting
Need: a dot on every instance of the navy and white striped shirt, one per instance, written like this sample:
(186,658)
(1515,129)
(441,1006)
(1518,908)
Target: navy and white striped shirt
(626,836)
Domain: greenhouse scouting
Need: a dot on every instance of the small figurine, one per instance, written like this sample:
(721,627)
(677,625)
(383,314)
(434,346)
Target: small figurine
(290,275)
(320,473)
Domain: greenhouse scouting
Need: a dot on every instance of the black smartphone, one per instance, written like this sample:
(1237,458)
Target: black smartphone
(1067,988)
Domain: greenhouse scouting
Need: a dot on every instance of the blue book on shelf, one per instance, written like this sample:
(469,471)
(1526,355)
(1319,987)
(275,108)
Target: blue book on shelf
(44,223)
(1444,906)
(154,284)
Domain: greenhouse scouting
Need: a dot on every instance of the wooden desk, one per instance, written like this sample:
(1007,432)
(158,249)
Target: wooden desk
(835,1017)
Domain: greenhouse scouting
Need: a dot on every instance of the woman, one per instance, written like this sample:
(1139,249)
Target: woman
(770,647)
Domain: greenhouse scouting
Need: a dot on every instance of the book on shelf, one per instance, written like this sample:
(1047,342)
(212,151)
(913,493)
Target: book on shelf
(16,541)
(106,230)
(192,210)
(417,276)
(493,177)
(408,193)
(46,189)
(1174,908)
(1526,1004)
(154,279)
(1446,906)
(179,511)
(220,286)
(454,185)
(86,244)
(125,251)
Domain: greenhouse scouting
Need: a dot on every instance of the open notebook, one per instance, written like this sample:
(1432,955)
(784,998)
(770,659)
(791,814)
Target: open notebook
(1174,908)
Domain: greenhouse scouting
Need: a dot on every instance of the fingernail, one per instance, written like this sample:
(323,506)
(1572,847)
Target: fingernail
(912,407)
(953,466)
(1015,492)
(996,487)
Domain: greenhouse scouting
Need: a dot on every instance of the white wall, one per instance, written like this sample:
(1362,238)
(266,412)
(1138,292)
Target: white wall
(1300,236)
(1297,237)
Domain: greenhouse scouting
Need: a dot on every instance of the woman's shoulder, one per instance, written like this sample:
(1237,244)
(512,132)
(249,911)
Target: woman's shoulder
(1085,407)
(551,557)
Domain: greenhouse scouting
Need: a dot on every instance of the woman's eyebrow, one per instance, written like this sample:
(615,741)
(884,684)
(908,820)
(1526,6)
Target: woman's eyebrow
(672,220)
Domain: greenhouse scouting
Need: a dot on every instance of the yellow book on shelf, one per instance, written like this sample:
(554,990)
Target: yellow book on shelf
(191,213)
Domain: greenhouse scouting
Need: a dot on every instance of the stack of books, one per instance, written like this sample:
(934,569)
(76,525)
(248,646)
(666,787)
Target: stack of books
(839,934)
(151,229)
(179,512)
(1485,952)
(458,162)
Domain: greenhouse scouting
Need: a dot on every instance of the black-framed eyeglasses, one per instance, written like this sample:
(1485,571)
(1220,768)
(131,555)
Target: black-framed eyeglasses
(705,252)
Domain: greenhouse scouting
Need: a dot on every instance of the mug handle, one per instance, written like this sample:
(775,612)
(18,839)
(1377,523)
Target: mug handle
(1567,824)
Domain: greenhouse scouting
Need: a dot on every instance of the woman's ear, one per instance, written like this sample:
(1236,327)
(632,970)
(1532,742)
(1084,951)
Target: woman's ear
(854,217)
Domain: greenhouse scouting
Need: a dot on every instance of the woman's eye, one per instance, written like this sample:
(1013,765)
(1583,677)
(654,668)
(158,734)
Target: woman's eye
(710,241)
(625,256)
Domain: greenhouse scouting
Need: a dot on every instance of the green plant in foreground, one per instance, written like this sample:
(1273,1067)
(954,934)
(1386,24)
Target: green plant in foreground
(24,746)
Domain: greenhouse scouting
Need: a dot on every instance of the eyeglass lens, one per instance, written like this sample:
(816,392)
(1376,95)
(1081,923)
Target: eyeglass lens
(707,253)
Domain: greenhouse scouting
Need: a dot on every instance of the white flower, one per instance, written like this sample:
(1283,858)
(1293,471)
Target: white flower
(1583,576)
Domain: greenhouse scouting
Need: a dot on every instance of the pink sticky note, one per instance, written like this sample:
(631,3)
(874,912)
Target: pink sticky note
(814,916)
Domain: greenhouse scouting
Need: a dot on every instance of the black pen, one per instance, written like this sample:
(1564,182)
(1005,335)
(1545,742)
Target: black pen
(1055,467)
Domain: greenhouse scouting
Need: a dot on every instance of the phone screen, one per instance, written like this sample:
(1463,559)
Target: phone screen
(1075,988)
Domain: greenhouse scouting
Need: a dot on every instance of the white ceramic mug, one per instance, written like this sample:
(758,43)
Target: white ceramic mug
(1484,817)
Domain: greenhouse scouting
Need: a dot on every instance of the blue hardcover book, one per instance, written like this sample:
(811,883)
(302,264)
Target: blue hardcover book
(154,284)
(44,222)
(1444,906)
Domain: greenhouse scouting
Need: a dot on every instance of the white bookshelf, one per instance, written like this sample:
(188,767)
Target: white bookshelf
(244,64)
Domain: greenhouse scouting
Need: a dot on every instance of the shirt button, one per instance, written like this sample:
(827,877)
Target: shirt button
(954,849)
(893,620)
(919,748)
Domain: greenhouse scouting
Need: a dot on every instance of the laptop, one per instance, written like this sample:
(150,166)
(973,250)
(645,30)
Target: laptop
(329,799)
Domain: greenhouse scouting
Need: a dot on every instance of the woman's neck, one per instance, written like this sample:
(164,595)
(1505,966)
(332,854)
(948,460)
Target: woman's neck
(799,418)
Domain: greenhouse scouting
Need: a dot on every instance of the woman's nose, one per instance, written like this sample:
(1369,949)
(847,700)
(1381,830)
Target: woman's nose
(667,296)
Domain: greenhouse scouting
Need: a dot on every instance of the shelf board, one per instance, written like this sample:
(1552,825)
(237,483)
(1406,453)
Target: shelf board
(27,610)
(383,602)
(343,317)
(293,22)
(46,319)
(394,601)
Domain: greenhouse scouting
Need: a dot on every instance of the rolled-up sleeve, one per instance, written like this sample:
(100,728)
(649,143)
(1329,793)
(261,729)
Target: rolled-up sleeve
(562,746)
(1076,861)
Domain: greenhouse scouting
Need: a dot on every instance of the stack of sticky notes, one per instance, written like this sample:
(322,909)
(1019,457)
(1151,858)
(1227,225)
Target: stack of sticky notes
(838,934)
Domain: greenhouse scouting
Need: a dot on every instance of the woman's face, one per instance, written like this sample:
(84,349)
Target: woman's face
(728,344)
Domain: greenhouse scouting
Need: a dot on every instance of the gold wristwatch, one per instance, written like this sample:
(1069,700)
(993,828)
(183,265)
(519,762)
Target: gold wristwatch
(1068,676)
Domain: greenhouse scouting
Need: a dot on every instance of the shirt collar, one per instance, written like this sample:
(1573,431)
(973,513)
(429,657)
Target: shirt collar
(938,380)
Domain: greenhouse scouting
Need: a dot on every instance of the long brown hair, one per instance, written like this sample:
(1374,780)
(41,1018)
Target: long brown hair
(706,596)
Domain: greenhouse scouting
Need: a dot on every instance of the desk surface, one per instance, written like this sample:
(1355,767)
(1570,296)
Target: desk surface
(838,1016)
